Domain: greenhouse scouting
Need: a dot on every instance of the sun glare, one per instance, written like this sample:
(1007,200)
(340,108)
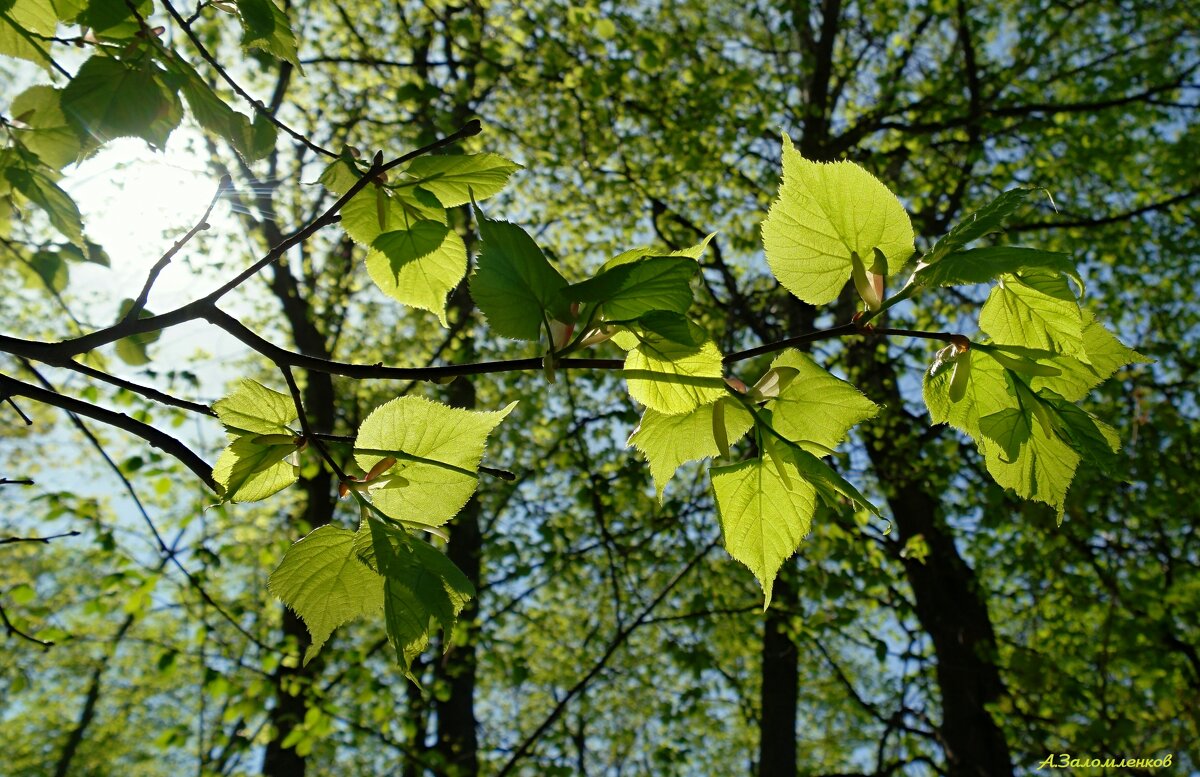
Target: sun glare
(137,202)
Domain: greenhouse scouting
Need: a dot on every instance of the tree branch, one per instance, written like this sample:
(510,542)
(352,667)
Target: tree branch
(150,434)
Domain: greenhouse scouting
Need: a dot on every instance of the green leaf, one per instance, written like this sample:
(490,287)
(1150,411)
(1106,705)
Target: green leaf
(765,511)
(249,471)
(19,22)
(439,449)
(1031,442)
(134,350)
(251,468)
(49,135)
(113,19)
(419,266)
(1010,428)
(514,285)
(265,26)
(325,583)
(983,265)
(252,407)
(815,407)
(671,440)
(831,486)
(634,254)
(672,377)
(666,325)
(361,216)
(422,586)
(988,219)
(1104,353)
(455,179)
(825,213)
(109,99)
(1034,309)
(251,140)
(39,188)
(629,290)
(47,269)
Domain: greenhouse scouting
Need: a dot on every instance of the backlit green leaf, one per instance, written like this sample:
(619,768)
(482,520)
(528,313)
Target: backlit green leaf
(49,135)
(826,212)
(672,377)
(252,407)
(455,178)
(248,471)
(982,265)
(419,266)
(988,219)
(513,284)
(108,99)
(18,23)
(422,586)
(1105,354)
(629,290)
(815,406)
(439,450)
(671,440)
(325,583)
(765,512)
(1034,309)
(265,26)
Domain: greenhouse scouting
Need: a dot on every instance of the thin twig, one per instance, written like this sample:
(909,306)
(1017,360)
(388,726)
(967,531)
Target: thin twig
(148,392)
(13,631)
(157,438)
(17,482)
(257,105)
(46,539)
(139,303)
(618,640)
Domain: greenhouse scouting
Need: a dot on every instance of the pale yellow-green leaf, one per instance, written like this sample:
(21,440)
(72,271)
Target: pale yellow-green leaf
(825,213)
(671,440)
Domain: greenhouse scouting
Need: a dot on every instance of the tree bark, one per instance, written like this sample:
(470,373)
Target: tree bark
(317,510)
(780,684)
(457,738)
(949,604)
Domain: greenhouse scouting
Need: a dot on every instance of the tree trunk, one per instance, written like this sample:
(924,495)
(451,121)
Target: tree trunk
(780,683)
(317,510)
(949,604)
(457,739)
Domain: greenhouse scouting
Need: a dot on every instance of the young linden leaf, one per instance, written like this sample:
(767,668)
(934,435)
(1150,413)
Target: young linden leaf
(47,133)
(988,219)
(983,265)
(815,407)
(20,22)
(1031,441)
(825,213)
(422,586)
(671,440)
(32,181)
(252,407)
(108,99)
(1035,309)
(265,26)
(672,377)
(325,583)
(1105,354)
(249,471)
(439,449)
(513,283)
(455,178)
(630,290)
(419,266)
(634,254)
(251,140)
(765,513)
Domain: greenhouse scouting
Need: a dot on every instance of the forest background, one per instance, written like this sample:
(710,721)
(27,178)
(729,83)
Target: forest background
(964,633)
